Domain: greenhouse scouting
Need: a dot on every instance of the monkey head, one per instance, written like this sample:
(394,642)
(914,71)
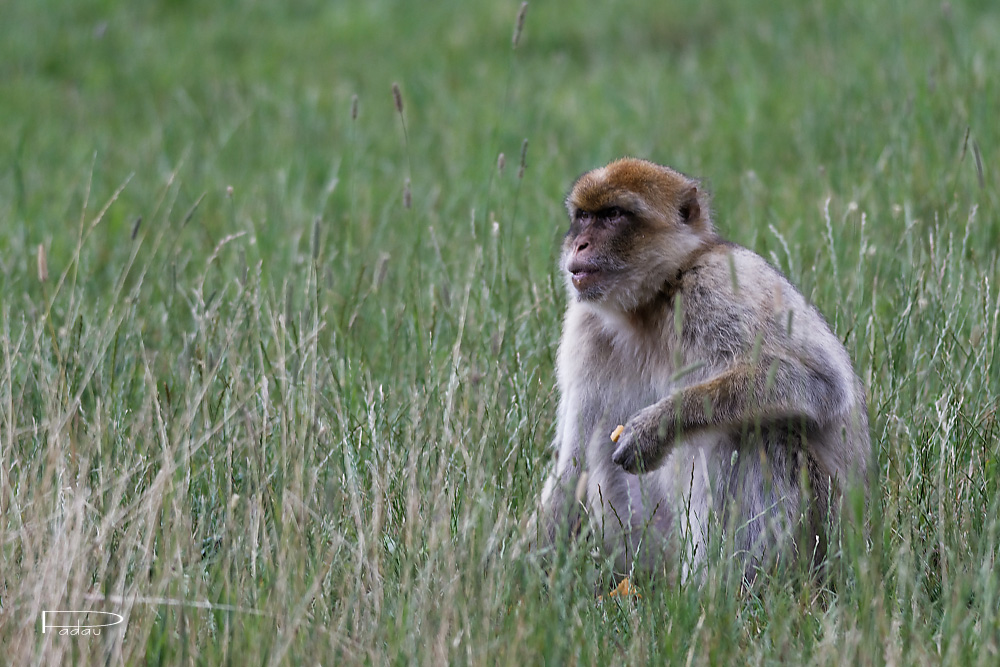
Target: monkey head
(634,225)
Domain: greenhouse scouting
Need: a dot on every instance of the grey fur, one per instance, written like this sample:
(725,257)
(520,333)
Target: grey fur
(740,406)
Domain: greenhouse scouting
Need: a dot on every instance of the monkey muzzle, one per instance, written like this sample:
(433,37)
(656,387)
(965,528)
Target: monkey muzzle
(584,279)
(584,275)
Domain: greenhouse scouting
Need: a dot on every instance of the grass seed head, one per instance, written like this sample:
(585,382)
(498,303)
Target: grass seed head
(519,26)
(397,97)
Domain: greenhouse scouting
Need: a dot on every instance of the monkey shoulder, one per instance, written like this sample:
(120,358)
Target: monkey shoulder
(733,299)
(718,320)
(731,274)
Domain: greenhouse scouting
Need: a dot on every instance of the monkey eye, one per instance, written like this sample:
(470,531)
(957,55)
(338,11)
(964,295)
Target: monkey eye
(609,214)
(613,213)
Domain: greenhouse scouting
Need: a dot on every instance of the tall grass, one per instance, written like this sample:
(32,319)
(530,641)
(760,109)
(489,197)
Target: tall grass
(284,389)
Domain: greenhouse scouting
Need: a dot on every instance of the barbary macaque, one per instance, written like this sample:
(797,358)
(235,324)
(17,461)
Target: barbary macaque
(740,407)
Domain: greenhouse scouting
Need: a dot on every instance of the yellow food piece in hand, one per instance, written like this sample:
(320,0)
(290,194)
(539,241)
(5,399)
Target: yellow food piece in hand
(617,433)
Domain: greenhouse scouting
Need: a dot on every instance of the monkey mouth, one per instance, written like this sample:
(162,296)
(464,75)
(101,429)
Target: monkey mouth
(585,277)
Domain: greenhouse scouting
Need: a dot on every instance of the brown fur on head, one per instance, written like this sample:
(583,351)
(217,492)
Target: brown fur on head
(634,225)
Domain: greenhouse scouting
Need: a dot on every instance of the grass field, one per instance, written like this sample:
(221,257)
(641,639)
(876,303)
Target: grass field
(276,359)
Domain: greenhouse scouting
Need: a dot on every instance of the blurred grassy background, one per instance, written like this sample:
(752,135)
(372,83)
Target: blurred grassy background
(266,409)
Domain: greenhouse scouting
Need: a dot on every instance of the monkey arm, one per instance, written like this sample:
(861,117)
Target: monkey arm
(774,388)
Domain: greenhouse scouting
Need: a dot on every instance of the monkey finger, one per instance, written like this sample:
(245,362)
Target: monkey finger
(627,456)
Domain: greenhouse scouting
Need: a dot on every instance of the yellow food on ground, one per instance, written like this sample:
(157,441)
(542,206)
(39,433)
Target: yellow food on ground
(624,589)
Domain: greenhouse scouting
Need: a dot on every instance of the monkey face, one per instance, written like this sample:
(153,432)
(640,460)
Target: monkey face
(632,225)
(612,256)
(594,248)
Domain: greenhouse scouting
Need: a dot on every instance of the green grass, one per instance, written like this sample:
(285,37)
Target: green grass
(300,422)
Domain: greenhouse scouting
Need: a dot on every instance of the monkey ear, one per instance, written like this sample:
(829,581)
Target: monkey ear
(690,208)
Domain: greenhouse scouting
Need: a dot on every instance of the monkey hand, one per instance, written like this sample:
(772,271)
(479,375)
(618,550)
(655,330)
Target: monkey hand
(646,439)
